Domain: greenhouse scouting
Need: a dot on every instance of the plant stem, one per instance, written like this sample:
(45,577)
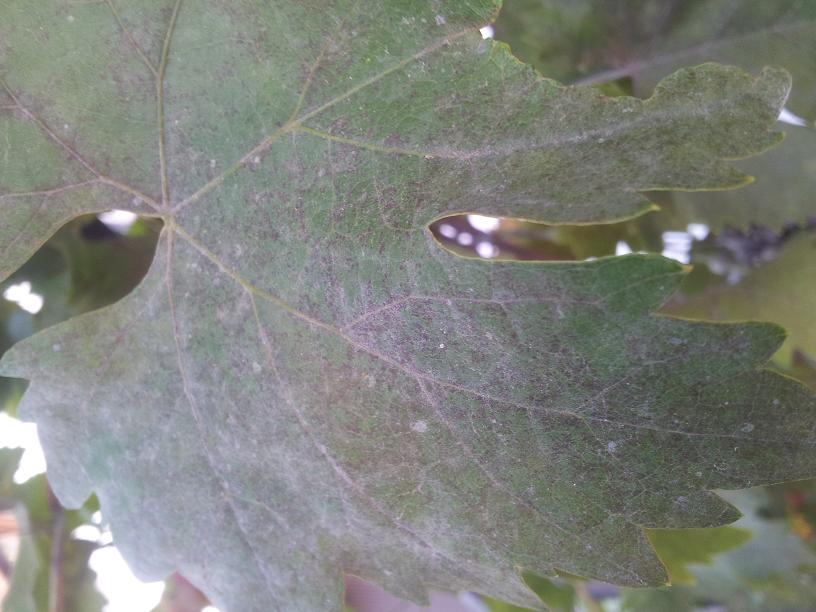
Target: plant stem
(56,580)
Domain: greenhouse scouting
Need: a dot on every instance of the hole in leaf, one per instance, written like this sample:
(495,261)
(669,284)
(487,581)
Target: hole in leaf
(731,253)
(472,235)
(86,265)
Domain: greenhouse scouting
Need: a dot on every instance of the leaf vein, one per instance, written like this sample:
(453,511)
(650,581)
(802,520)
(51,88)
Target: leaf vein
(74,153)
(500,486)
(291,125)
(139,51)
(171,28)
(418,375)
(327,456)
(211,460)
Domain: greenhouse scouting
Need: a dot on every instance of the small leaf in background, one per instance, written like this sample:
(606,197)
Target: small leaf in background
(677,548)
(76,271)
(599,41)
(84,266)
(781,291)
(803,368)
(19,594)
(775,570)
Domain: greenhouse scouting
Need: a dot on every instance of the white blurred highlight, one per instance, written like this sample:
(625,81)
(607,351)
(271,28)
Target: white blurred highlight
(22,295)
(447,230)
(124,591)
(677,246)
(698,231)
(622,248)
(788,117)
(118,220)
(487,250)
(88,533)
(16,434)
(483,224)
(465,238)
(487,31)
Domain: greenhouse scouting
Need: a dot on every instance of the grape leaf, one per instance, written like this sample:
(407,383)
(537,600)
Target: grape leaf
(781,195)
(305,383)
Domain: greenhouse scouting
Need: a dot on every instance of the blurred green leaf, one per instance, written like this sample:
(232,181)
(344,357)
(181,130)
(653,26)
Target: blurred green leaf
(9,460)
(74,273)
(803,368)
(599,41)
(22,593)
(782,192)
(774,571)
(677,548)
(781,291)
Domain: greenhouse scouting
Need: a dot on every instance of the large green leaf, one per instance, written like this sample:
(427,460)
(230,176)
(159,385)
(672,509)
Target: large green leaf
(305,383)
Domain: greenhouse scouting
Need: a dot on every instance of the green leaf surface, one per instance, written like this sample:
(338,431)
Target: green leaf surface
(305,383)
(781,291)
(781,194)
(642,41)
